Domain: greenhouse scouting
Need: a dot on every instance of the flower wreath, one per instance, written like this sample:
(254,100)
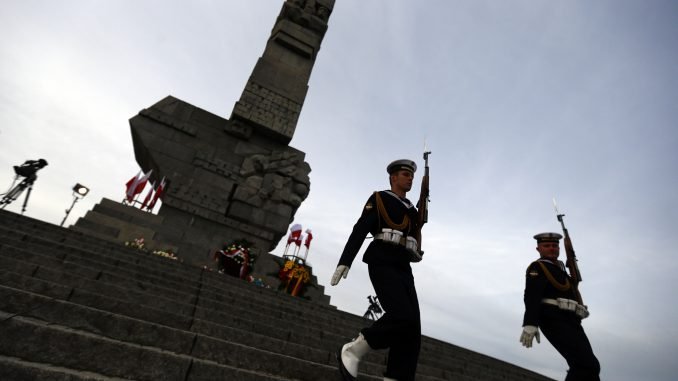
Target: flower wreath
(237,252)
(294,276)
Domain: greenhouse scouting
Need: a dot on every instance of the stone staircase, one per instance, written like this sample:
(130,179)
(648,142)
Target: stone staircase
(75,307)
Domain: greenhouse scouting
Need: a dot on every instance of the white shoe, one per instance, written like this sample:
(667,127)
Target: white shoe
(350,355)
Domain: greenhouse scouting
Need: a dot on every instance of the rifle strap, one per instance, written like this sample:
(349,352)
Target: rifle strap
(561,287)
(381,210)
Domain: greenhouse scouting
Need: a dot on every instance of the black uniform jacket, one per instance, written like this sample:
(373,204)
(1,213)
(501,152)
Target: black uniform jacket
(372,221)
(539,284)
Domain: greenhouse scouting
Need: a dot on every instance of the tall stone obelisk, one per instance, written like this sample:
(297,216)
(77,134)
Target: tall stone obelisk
(236,178)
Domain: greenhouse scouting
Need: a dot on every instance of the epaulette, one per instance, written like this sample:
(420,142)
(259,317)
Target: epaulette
(533,272)
(368,205)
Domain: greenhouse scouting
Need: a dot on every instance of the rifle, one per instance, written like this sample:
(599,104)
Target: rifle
(571,263)
(422,204)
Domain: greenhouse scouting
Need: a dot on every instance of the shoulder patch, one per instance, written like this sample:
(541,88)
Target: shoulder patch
(533,273)
(369,206)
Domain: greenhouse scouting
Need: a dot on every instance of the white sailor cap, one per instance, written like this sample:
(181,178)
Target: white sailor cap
(548,237)
(401,164)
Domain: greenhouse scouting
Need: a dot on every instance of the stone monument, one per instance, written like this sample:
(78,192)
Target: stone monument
(236,178)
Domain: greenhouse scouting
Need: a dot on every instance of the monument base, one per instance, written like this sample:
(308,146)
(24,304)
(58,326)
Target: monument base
(119,223)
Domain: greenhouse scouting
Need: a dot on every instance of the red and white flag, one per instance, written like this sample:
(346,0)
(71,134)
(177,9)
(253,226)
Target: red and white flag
(309,237)
(136,185)
(131,185)
(158,194)
(295,235)
(142,183)
(148,197)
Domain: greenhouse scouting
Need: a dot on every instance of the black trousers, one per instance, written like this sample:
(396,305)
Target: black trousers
(399,328)
(565,333)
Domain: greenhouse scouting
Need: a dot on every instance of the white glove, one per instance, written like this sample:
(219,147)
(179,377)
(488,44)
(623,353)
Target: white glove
(341,271)
(529,333)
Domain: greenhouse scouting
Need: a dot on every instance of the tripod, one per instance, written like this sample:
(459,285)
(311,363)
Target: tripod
(27,170)
(14,193)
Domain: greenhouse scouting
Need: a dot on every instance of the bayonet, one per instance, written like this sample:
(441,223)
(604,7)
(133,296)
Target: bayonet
(571,262)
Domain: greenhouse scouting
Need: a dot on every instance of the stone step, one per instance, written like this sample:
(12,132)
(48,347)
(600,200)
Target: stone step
(352,331)
(205,309)
(101,246)
(29,338)
(16,369)
(298,339)
(328,343)
(305,310)
(58,234)
(142,282)
(142,332)
(110,255)
(148,269)
(107,340)
(76,270)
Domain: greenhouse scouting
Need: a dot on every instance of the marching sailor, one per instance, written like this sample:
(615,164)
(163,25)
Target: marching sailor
(392,220)
(553,305)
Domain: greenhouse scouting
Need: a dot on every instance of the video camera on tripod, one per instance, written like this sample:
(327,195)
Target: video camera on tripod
(28,170)
(29,167)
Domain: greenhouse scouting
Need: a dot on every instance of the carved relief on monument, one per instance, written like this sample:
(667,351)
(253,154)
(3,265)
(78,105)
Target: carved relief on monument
(279,177)
(189,195)
(312,14)
(219,167)
(167,120)
(303,11)
(269,109)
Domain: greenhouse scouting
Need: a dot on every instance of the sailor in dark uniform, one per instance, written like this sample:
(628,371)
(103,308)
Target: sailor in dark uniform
(392,220)
(553,305)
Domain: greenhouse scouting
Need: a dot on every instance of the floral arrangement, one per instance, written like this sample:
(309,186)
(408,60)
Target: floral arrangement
(293,277)
(240,254)
(137,243)
(235,259)
(140,244)
(167,254)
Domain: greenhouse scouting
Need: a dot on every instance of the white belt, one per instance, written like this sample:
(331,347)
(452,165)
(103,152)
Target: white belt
(395,237)
(568,305)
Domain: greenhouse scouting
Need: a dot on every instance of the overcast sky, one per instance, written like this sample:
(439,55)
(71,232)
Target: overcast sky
(520,101)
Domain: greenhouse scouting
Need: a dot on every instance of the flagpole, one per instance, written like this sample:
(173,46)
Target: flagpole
(306,254)
(296,250)
(136,197)
(145,203)
(158,193)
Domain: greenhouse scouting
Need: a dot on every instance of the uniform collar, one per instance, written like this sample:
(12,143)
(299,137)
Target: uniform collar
(403,200)
(557,263)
